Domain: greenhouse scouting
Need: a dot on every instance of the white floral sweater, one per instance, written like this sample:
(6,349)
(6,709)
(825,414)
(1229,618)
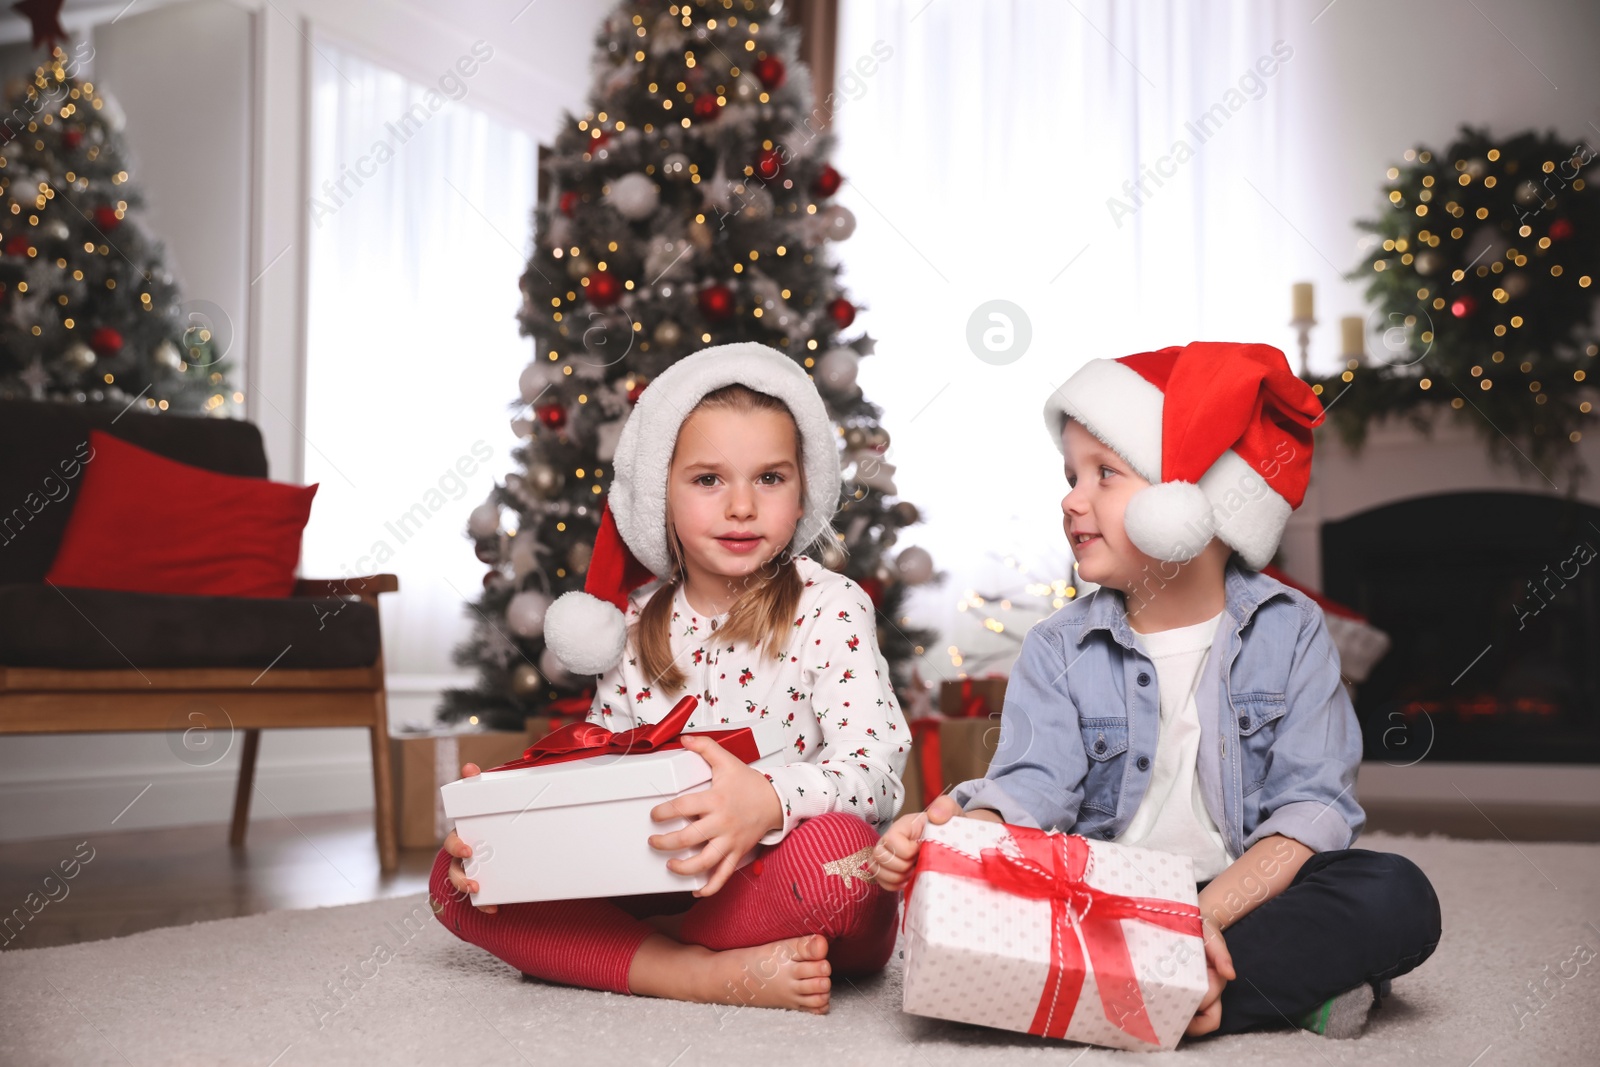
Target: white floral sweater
(830,689)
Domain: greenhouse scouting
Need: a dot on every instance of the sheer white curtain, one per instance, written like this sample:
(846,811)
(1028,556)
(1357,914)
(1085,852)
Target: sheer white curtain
(986,149)
(413,348)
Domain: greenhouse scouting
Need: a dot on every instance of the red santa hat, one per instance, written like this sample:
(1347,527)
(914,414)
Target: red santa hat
(1222,431)
(588,630)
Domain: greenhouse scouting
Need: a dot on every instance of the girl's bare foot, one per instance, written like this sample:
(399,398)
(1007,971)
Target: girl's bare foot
(793,973)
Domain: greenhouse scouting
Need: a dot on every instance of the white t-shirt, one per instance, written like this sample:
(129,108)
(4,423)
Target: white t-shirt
(1172,816)
(830,689)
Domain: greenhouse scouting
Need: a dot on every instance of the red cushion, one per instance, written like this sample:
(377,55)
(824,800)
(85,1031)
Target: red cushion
(147,524)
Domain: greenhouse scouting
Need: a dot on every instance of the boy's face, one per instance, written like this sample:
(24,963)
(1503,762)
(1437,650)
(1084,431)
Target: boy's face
(1100,483)
(733,492)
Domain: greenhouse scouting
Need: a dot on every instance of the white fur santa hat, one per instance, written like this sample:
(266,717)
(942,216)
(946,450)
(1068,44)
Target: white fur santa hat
(1221,430)
(588,630)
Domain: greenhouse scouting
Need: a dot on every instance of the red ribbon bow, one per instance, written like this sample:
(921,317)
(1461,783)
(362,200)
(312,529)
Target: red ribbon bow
(973,705)
(1085,923)
(581,740)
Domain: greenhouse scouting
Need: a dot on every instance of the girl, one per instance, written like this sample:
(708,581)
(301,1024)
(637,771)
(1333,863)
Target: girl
(726,469)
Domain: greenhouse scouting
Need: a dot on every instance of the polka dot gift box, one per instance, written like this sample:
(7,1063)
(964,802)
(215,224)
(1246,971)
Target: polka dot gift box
(1053,934)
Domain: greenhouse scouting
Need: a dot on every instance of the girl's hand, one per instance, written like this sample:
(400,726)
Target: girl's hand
(897,851)
(460,850)
(731,817)
(1219,972)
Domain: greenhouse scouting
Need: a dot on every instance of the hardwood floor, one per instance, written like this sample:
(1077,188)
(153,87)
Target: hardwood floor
(146,879)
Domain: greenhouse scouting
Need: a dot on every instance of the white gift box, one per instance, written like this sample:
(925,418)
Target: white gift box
(976,953)
(580,828)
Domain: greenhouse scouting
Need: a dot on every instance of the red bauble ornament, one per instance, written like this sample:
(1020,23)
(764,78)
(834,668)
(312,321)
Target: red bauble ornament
(1560,229)
(828,181)
(72,138)
(716,302)
(595,141)
(106,342)
(553,415)
(603,289)
(1463,306)
(842,312)
(106,218)
(636,390)
(569,202)
(769,164)
(874,590)
(771,71)
(17,246)
(706,107)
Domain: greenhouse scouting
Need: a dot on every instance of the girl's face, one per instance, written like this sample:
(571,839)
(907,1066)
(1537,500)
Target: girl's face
(733,494)
(1099,484)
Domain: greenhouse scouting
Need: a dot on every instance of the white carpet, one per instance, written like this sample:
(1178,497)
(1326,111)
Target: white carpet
(256,991)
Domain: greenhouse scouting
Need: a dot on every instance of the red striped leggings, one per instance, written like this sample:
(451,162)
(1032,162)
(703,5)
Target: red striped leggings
(814,881)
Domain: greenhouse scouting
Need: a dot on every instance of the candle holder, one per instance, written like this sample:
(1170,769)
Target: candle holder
(1302,327)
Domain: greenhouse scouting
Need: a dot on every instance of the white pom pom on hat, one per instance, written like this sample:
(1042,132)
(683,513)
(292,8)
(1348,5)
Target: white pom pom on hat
(1221,430)
(588,630)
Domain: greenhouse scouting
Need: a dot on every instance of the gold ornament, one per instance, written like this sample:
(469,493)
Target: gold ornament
(580,267)
(579,556)
(701,235)
(525,681)
(544,479)
(79,356)
(668,333)
(833,557)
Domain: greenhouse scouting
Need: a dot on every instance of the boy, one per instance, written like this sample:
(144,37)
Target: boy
(1194,705)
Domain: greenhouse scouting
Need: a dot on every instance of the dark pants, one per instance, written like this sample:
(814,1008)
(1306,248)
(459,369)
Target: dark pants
(1350,916)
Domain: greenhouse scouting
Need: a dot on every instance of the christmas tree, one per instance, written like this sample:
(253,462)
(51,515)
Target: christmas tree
(88,309)
(689,206)
(1482,274)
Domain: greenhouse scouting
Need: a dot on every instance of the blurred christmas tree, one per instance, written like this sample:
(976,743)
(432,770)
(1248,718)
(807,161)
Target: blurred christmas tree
(88,309)
(1482,274)
(688,207)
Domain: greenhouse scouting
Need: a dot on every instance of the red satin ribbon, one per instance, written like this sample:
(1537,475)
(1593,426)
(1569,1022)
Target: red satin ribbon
(574,705)
(1051,868)
(926,741)
(973,705)
(581,740)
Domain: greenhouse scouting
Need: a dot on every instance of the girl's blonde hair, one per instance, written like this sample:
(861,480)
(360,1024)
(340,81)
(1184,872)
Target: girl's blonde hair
(763,613)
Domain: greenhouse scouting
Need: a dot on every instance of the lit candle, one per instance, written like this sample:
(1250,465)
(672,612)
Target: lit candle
(1353,336)
(1302,302)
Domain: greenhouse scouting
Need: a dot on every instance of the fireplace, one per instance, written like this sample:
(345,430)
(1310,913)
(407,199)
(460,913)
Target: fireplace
(1492,600)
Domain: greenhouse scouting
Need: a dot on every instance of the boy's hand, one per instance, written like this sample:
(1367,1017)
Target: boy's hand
(897,851)
(460,850)
(731,817)
(1219,972)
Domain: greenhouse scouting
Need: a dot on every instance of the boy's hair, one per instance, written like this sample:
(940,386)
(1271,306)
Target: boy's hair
(764,609)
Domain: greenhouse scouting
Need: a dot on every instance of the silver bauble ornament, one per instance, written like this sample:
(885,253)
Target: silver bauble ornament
(914,565)
(634,196)
(836,370)
(484,519)
(525,613)
(534,379)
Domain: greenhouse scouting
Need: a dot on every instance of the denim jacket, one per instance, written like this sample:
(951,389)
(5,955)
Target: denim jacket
(1279,741)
